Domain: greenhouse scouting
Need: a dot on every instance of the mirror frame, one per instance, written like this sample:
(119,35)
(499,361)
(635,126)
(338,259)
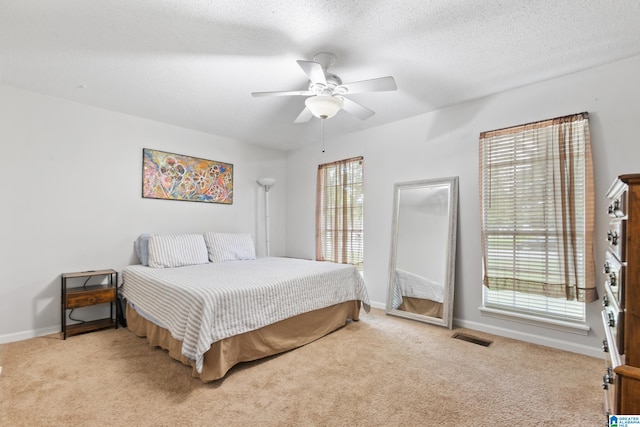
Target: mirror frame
(450,260)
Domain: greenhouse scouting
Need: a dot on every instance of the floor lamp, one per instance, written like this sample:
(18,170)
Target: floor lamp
(266,183)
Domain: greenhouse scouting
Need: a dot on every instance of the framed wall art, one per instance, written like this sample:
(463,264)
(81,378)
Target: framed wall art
(173,176)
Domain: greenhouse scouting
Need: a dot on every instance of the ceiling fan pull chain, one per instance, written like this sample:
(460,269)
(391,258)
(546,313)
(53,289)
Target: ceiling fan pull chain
(322,132)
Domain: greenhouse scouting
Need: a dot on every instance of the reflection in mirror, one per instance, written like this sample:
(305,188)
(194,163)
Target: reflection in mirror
(423,247)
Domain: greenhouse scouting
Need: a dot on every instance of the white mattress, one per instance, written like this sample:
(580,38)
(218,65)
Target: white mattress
(202,304)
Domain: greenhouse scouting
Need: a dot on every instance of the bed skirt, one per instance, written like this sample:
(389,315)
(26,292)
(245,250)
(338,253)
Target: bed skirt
(421,306)
(269,340)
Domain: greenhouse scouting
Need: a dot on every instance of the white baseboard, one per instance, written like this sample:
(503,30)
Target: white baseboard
(531,338)
(380,305)
(25,335)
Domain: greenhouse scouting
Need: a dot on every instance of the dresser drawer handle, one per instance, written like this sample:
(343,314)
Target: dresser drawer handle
(607,379)
(607,268)
(605,346)
(614,208)
(605,301)
(612,237)
(612,319)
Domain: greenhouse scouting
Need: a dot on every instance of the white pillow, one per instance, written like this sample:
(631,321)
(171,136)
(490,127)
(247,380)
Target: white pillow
(229,246)
(177,250)
(141,245)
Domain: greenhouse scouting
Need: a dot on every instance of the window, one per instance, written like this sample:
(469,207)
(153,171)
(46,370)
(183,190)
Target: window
(536,186)
(339,218)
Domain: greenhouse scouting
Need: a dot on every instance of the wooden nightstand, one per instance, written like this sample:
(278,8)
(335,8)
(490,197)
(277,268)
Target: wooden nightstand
(85,296)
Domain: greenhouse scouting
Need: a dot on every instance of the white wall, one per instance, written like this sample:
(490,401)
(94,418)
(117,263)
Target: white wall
(71,198)
(445,143)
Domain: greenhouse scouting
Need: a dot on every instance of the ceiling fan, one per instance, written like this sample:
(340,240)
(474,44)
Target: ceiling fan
(326,92)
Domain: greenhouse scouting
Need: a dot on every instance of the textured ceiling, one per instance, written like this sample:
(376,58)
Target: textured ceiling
(194,63)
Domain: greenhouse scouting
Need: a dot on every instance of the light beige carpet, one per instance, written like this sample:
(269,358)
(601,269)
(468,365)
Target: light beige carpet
(380,371)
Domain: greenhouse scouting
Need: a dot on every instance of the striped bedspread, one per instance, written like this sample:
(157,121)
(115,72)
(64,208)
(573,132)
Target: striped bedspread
(202,304)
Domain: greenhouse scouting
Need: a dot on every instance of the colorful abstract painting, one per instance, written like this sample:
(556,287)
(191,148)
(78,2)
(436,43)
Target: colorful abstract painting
(177,177)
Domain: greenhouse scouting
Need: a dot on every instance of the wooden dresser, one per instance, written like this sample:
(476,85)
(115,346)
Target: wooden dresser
(621,314)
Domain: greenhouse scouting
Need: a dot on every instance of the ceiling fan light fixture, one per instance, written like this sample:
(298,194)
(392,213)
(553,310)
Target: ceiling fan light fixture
(324,107)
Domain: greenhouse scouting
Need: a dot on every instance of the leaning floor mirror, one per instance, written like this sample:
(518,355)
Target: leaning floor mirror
(423,250)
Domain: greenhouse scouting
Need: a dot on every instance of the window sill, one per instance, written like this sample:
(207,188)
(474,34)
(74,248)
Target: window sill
(558,325)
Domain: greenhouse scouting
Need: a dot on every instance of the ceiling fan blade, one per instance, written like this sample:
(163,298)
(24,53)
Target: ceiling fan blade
(314,71)
(304,116)
(360,111)
(283,93)
(380,84)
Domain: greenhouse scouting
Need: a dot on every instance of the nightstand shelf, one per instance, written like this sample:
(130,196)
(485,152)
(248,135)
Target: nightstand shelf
(86,296)
(93,325)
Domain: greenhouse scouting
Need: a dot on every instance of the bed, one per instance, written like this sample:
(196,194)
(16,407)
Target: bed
(212,304)
(417,294)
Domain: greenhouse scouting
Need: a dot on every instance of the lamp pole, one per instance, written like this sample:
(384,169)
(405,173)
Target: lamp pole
(266,183)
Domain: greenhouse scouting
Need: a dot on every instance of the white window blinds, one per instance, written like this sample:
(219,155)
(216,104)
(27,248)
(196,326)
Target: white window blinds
(339,212)
(537,217)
